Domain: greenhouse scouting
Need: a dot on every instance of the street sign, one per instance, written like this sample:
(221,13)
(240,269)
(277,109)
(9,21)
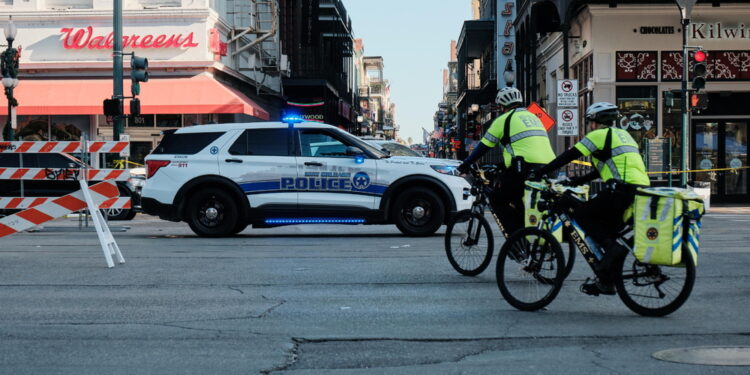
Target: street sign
(125,153)
(567,93)
(567,122)
(545,118)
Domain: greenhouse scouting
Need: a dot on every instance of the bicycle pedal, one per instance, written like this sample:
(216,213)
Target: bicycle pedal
(590,289)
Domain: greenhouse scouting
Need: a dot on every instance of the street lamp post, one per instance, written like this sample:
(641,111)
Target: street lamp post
(686,8)
(10,77)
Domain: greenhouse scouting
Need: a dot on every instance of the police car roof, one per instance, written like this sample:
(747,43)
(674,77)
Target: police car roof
(249,125)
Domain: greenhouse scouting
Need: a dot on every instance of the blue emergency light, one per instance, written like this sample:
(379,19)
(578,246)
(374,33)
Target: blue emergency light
(359,159)
(292,119)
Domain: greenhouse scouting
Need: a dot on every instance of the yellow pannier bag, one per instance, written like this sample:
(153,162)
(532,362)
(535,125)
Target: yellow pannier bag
(531,199)
(666,221)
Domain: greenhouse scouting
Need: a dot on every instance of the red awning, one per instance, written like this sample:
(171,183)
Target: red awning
(198,94)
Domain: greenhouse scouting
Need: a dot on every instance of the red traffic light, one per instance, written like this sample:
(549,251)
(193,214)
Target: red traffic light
(700,56)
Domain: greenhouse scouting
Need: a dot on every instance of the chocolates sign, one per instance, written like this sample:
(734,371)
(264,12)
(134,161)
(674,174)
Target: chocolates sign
(86,38)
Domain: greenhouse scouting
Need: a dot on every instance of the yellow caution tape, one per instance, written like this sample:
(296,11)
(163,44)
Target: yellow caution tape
(675,172)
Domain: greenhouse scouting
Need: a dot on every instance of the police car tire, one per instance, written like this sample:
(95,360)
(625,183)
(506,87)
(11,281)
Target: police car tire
(409,197)
(228,223)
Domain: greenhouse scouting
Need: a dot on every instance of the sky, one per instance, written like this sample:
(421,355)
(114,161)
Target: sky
(413,36)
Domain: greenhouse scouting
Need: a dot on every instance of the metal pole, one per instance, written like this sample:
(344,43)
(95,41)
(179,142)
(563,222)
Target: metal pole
(685,98)
(8,56)
(117,65)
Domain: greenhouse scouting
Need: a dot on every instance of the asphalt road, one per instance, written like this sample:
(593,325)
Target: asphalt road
(333,299)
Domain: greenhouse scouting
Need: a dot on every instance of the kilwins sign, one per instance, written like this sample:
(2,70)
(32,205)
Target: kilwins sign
(88,38)
(719,30)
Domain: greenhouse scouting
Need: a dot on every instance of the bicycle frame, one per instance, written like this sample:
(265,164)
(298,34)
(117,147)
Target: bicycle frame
(481,200)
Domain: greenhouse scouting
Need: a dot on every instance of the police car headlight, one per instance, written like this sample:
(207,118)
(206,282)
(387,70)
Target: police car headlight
(446,169)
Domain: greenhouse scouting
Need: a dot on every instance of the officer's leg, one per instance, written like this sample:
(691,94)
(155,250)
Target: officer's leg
(508,202)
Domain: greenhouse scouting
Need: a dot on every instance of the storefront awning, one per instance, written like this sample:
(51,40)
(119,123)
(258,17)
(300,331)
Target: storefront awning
(199,94)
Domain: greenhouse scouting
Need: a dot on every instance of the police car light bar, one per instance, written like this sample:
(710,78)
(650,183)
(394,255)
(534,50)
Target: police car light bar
(292,119)
(315,221)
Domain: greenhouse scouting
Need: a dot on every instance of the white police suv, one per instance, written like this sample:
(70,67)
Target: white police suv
(221,178)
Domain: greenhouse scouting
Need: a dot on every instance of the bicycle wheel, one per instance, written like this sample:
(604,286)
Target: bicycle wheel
(530,269)
(469,243)
(652,290)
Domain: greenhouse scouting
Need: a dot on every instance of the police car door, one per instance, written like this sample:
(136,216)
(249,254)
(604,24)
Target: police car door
(328,177)
(258,160)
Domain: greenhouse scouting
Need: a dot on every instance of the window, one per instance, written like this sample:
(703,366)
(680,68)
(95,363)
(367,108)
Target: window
(169,121)
(196,119)
(262,142)
(637,106)
(320,144)
(33,128)
(9,160)
(185,144)
(68,128)
(101,120)
(139,151)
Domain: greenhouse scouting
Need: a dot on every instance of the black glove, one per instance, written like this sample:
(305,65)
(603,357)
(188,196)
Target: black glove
(464,168)
(534,175)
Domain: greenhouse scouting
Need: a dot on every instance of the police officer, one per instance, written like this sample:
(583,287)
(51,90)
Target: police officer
(618,162)
(525,145)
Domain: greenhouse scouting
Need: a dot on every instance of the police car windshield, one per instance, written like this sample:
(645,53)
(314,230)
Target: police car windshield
(363,145)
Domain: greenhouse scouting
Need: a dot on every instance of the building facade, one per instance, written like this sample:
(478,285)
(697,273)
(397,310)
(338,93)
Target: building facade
(629,53)
(209,62)
(317,37)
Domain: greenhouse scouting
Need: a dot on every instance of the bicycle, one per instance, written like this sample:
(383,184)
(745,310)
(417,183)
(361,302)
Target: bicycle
(469,250)
(530,263)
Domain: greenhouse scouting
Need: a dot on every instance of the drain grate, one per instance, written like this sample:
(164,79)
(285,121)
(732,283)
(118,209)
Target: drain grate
(707,355)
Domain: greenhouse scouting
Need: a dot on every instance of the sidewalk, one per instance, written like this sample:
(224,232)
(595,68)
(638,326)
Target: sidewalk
(729,209)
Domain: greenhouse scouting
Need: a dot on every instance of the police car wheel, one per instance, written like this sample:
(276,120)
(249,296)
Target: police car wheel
(212,213)
(418,212)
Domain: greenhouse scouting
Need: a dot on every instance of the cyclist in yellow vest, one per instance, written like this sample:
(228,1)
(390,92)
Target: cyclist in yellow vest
(617,160)
(525,146)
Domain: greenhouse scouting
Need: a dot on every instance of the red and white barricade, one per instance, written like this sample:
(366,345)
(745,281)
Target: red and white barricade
(63,146)
(38,210)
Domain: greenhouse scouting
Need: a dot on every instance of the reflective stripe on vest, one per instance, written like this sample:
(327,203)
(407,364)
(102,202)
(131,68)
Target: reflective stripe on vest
(491,138)
(523,135)
(624,150)
(589,145)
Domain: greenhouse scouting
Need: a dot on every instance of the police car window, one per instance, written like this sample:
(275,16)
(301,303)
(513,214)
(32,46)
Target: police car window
(185,143)
(320,144)
(262,142)
(9,160)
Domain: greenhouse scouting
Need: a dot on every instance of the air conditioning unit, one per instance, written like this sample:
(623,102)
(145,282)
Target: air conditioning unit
(285,65)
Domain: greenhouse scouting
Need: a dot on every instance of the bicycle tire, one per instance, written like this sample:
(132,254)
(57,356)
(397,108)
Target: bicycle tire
(634,304)
(462,254)
(516,253)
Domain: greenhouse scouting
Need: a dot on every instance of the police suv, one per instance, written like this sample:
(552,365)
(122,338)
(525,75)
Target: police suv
(222,178)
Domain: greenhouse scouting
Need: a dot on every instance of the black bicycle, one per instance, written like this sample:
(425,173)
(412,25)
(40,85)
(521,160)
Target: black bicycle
(469,241)
(530,266)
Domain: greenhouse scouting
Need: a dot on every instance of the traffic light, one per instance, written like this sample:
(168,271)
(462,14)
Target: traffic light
(135,107)
(138,73)
(668,97)
(698,101)
(699,70)
(112,107)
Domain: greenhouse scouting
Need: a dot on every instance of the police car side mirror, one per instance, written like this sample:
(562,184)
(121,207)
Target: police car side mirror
(354,151)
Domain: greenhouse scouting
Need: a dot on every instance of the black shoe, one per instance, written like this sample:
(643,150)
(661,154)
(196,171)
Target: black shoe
(598,287)
(613,251)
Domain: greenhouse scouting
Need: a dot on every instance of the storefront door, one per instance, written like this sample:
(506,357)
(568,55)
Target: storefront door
(722,144)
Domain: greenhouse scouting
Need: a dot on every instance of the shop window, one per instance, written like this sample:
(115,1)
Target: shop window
(33,128)
(196,119)
(637,106)
(636,66)
(142,121)
(68,128)
(672,129)
(69,4)
(169,121)
(139,151)
(102,121)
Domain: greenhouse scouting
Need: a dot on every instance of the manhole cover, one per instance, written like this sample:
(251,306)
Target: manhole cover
(707,355)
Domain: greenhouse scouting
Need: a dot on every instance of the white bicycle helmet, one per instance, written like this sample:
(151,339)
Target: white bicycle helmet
(508,95)
(602,113)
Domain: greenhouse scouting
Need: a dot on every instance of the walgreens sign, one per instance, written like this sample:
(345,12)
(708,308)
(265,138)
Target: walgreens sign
(85,38)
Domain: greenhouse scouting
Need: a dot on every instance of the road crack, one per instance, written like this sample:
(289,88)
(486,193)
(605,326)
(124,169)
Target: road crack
(292,357)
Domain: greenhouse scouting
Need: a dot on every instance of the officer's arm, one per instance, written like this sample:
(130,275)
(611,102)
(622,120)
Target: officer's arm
(565,158)
(591,176)
(477,154)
